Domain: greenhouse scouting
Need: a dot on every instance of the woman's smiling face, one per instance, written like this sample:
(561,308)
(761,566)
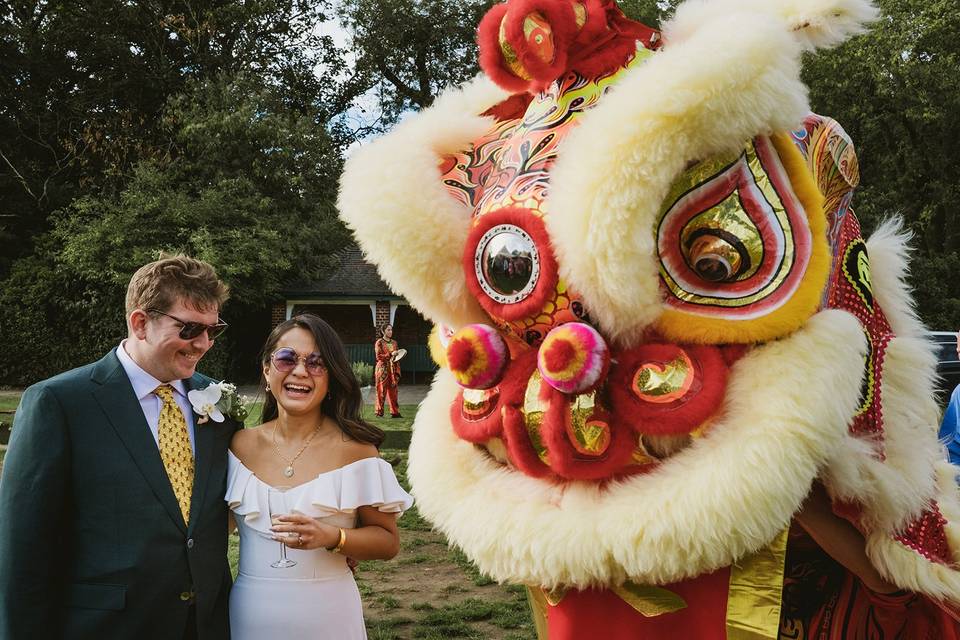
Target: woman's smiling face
(298,392)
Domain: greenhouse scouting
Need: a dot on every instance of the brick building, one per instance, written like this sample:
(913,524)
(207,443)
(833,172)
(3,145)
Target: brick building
(355,301)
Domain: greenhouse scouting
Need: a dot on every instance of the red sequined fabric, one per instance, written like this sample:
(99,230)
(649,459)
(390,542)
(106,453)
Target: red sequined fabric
(926,536)
(850,291)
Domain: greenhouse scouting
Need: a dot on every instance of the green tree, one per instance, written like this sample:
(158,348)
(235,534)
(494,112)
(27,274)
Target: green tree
(407,51)
(895,92)
(128,127)
(83,86)
(248,185)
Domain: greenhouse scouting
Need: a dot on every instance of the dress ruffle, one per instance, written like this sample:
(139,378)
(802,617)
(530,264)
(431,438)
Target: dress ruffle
(367,482)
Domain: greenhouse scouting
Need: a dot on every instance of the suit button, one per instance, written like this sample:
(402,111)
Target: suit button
(189,543)
(185,596)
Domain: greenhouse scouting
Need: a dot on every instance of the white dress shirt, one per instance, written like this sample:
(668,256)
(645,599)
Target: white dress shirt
(144,385)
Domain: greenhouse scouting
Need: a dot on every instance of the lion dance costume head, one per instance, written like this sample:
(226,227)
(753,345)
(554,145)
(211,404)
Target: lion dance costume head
(659,327)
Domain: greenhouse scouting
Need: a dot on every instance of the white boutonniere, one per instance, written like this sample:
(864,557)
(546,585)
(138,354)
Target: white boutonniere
(219,399)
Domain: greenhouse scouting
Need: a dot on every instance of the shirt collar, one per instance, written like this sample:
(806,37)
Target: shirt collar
(143,383)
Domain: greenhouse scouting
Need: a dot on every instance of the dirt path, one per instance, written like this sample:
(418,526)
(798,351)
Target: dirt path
(432,591)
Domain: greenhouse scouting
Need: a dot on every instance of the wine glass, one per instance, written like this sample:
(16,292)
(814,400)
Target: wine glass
(278,507)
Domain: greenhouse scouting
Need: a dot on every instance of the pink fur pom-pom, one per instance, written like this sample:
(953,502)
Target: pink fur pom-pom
(477,355)
(573,358)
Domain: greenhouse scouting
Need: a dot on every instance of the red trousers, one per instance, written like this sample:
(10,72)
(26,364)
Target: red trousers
(384,388)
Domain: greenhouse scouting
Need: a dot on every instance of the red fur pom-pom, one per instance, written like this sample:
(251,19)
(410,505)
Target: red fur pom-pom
(491,57)
(459,355)
(559,355)
(540,32)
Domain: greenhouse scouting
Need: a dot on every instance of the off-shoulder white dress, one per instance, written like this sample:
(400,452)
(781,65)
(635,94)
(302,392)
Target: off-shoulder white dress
(317,598)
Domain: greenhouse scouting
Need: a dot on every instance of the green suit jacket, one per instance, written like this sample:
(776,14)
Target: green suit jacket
(92,541)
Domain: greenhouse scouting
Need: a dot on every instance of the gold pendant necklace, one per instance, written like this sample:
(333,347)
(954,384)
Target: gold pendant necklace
(288,470)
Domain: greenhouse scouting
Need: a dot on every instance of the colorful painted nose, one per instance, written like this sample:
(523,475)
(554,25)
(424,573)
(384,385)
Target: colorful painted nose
(668,389)
(573,358)
(477,355)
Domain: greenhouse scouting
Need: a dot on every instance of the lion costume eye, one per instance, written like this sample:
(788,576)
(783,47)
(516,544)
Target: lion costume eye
(507,263)
(716,255)
(742,246)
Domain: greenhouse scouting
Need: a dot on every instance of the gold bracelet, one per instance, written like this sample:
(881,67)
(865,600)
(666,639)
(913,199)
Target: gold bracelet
(343,539)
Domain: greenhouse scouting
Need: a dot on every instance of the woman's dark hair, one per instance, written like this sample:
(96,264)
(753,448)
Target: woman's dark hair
(382,331)
(344,400)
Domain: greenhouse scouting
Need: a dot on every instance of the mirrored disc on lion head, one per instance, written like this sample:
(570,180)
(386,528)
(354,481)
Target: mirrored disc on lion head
(507,263)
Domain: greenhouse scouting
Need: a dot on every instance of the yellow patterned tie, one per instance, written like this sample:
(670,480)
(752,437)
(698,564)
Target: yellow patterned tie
(175,449)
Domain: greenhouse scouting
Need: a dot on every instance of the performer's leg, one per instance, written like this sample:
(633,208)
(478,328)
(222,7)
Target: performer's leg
(378,406)
(392,401)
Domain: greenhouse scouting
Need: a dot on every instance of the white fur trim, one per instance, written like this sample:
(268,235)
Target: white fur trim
(895,490)
(392,197)
(814,23)
(726,84)
(908,569)
(889,252)
(698,512)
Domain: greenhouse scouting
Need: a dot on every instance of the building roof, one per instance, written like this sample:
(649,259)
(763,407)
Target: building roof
(353,277)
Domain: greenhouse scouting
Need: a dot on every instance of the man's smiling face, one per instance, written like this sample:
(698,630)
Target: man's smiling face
(162,352)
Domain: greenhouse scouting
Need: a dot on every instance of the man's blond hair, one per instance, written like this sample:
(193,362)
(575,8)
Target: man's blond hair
(158,285)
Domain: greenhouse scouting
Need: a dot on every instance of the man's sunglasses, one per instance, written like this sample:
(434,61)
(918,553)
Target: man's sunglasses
(286,360)
(190,330)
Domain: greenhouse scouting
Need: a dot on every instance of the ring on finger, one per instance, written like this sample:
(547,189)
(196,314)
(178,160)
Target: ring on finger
(299,540)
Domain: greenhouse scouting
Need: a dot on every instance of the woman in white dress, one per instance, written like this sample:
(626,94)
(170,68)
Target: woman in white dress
(309,477)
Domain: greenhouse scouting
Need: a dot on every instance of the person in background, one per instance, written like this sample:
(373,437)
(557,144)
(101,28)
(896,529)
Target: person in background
(950,426)
(387,373)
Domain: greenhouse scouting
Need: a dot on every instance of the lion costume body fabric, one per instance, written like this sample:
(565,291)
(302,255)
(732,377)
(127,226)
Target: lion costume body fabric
(661,327)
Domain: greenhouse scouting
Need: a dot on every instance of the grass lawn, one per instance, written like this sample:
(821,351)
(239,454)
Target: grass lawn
(407,412)
(10,399)
(431,590)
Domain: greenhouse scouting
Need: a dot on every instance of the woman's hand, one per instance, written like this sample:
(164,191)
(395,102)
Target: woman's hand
(375,538)
(298,531)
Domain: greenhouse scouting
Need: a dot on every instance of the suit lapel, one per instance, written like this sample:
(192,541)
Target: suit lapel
(203,443)
(119,402)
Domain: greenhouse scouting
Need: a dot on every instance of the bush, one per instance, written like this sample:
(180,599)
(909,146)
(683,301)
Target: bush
(363,372)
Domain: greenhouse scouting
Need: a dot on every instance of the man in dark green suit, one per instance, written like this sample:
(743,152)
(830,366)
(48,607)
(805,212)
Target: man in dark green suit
(96,541)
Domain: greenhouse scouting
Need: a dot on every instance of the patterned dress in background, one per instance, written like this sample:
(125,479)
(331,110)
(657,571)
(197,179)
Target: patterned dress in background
(387,376)
(823,601)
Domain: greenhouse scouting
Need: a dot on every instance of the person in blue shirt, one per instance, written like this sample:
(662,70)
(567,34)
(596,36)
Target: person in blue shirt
(950,427)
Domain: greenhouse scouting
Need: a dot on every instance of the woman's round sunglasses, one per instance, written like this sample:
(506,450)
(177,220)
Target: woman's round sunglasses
(286,359)
(190,330)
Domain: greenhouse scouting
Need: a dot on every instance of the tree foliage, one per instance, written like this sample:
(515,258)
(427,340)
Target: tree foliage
(216,127)
(406,51)
(83,85)
(130,127)
(895,92)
